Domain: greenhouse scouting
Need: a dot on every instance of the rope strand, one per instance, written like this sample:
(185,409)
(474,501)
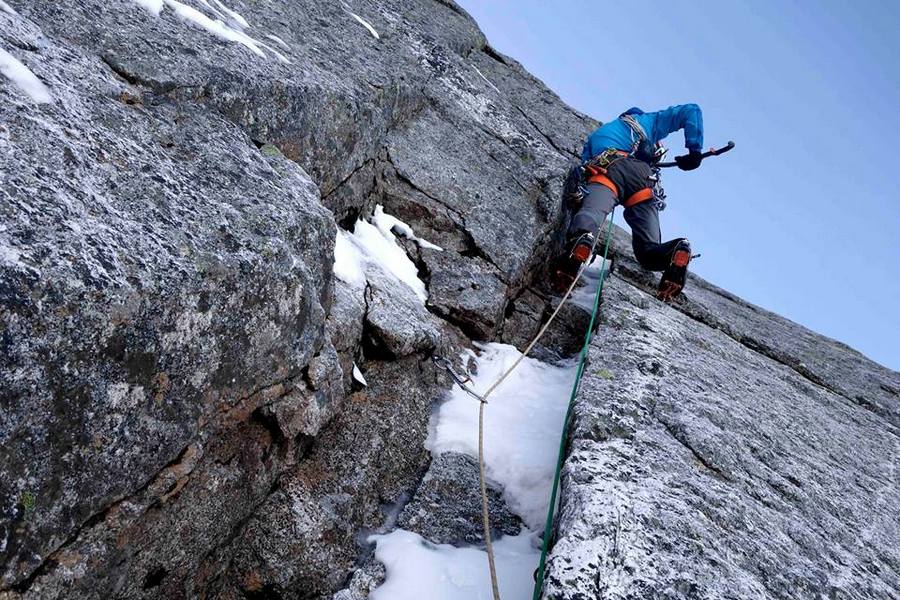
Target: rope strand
(548,526)
(485,513)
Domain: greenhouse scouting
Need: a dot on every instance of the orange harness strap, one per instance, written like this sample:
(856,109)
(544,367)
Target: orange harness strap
(604,181)
(638,197)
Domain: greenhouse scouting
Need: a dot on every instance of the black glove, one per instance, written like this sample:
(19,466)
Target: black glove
(689,161)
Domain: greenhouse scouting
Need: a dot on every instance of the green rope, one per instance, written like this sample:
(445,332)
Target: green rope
(548,527)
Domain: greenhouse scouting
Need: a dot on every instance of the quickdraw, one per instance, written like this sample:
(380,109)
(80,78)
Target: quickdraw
(462,382)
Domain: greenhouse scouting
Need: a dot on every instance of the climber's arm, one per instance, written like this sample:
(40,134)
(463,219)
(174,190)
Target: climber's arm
(684,116)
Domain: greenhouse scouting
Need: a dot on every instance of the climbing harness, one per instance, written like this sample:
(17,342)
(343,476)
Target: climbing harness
(548,526)
(463,382)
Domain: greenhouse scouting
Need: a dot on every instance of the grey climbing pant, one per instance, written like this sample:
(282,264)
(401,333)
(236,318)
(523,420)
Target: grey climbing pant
(597,204)
(643,218)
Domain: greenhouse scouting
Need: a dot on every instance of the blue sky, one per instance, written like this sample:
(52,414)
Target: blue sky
(803,217)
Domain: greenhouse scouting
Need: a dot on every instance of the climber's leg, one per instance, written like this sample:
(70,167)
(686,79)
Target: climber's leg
(580,240)
(671,257)
(643,218)
(598,203)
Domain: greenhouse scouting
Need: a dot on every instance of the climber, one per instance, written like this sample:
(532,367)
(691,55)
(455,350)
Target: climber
(618,168)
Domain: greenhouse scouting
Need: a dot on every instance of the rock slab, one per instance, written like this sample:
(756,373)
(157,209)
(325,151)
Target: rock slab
(701,467)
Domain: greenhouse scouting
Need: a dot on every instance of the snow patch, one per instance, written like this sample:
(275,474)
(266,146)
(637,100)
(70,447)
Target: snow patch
(358,376)
(379,248)
(365,24)
(374,245)
(486,80)
(278,41)
(417,569)
(215,27)
(7,8)
(154,6)
(229,16)
(382,249)
(388,223)
(22,76)
(225,23)
(348,260)
(522,423)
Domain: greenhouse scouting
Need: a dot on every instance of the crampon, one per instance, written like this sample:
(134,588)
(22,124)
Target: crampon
(672,281)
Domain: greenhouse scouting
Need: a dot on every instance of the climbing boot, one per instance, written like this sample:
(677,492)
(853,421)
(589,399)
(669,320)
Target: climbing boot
(566,267)
(583,248)
(672,281)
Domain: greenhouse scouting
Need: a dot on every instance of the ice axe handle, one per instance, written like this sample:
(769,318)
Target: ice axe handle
(707,154)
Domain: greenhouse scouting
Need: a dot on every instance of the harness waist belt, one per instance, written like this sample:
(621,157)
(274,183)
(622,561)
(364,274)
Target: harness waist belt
(605,181)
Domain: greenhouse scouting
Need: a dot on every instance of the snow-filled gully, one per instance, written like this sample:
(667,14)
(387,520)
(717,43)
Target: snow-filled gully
(522,427)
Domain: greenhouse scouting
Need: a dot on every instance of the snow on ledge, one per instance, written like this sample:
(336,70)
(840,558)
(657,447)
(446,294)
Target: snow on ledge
(365,24)
(23,78)
(523,421)
(388,223)
(418,569)
(348,260)
(154,6)
(227,14)
(224,23)
(358,376)
(7,8)
(384,251)
(374,245)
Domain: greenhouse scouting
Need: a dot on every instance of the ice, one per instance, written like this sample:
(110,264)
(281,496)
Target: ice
(7,8)
(348,260)
(22,76)
(365,24)
(154,6)
(418,569)
(387,223)
(523,422)
(358,376)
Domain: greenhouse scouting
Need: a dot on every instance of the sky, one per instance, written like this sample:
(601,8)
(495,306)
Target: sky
(803,216)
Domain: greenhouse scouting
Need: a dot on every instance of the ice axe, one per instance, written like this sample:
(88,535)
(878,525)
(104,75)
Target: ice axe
(707,154)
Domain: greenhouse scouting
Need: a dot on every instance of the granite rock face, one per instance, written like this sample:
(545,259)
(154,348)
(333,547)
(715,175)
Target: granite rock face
(179,416)
(704,463)
(446,508)
(161,280)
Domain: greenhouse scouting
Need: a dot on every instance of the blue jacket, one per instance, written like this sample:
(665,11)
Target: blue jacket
(617,134)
